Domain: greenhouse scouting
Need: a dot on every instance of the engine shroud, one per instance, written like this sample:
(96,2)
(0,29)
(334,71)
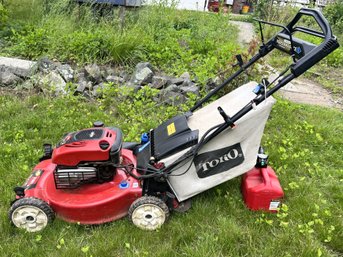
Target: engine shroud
(91,203)
(89,145)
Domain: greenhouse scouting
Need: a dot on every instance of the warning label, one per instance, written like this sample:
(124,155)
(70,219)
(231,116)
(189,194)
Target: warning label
(274,205)
(171,129)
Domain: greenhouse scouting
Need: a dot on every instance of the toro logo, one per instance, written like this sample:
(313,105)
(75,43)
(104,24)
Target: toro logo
(286,45)
(217,161)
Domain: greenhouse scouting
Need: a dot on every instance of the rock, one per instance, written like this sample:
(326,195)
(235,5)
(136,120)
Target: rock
(82,80)
(137,88)
(185,75)
(193,89)
(172,95)
(217,80)
(45,65)
(123,74)
(93,73)
(89,85)
(87,94)
(115,79)
(143,76)
(210,85)
(80,76)
(172,88)
(81,87)
(66,72)
(160,81)
(108,71)
(20,68)
(177,81)
(26,85)
(187,83)
(7,78)
(142,65)
(53,81)
(172,98)
(98,90)
(131,84)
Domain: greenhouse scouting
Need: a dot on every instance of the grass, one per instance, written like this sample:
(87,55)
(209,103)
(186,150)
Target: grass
(334,84)
(241,17)
(25,10)
(305,147)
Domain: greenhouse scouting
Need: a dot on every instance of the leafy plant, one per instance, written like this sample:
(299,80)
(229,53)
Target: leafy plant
(3,15)
(334,13)
(34,39)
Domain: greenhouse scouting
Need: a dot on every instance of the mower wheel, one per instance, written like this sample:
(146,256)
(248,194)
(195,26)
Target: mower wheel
(31,214)
(148,212)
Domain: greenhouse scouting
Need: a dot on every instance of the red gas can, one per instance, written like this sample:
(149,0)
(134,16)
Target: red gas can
(261,189)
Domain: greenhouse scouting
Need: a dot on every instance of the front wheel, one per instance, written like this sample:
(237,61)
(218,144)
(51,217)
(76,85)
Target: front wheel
(148,212)
(31,214)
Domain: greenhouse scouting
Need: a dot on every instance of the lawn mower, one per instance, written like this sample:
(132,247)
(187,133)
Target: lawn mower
(91,176)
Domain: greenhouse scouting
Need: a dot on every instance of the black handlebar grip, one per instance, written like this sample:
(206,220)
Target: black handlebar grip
(318,16)
(314,56)
(318,53)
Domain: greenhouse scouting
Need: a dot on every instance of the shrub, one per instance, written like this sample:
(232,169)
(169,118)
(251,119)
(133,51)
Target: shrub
(334,13)
(31,42)
(272,11)
(3,15)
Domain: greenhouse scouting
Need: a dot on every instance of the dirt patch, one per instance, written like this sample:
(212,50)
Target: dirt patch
(245,31)
(309,92)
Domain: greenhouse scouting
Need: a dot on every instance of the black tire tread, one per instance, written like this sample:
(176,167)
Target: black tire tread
(33,202)
(148,200)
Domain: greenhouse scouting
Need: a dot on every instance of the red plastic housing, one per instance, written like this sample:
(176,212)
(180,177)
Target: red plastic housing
(75,150)
(261,189)
(90,203)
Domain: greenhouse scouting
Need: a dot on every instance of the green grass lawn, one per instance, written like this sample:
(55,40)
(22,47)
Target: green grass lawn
(305,144)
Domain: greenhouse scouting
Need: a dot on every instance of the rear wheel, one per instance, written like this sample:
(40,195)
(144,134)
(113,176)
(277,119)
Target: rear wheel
(148,212)
(31,214)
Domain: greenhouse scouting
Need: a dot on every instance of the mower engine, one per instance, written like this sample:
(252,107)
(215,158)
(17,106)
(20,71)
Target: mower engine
(86,156)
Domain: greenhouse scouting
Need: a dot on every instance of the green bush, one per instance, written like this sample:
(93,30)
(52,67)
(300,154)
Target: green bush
(335,59)
(271,11)
(334,13)
(3,16)
(25,11)
(190,41)
(30,42)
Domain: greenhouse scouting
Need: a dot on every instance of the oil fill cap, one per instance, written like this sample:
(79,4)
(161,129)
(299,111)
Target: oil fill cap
(98,124)
(124,184)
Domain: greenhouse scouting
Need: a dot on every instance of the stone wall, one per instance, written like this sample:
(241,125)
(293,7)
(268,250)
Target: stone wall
(90,79)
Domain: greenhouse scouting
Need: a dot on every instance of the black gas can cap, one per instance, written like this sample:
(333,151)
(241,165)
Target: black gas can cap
(98,124)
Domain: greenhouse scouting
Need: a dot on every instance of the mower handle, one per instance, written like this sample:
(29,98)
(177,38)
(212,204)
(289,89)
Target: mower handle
(304,54)
(319,18)
(311,54)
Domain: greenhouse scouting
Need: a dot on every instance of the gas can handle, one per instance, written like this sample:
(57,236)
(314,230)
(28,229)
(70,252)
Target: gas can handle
(266,178)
